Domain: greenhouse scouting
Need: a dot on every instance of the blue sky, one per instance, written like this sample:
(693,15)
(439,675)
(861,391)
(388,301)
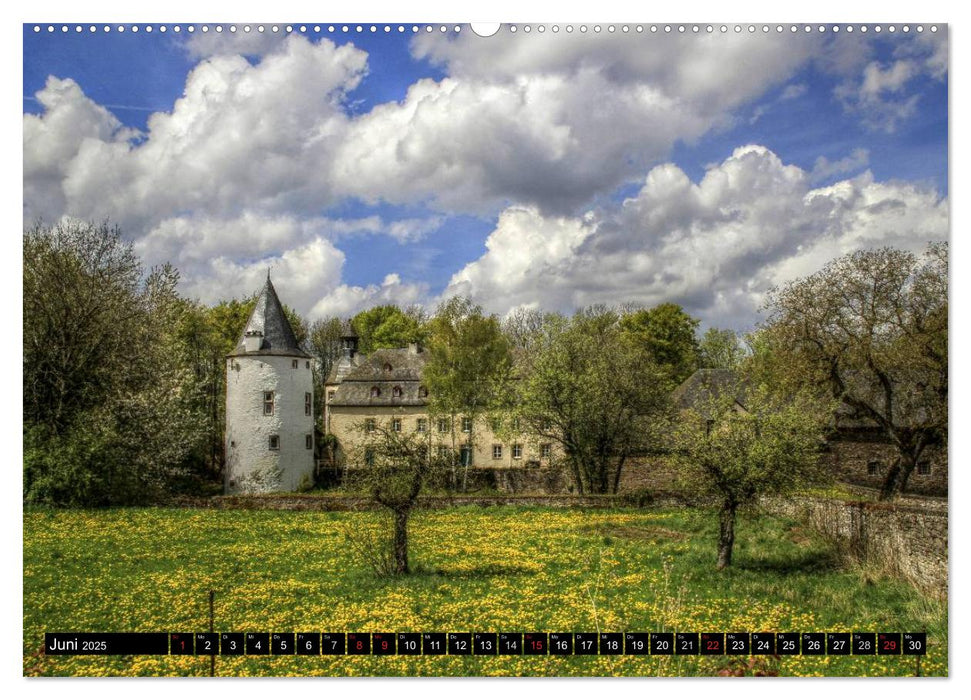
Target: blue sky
(546,170)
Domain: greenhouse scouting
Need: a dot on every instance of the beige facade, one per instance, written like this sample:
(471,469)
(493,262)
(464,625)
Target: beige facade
(385,389)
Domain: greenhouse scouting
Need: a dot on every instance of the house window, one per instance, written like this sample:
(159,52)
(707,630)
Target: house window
(517,451)
(308,364)
(310,442)
(442,425)
(369,457)
(547,424)
(267,403)
(466,425)
(924,467)
(546,450)
(423,392)
(497,451)
(396,392)
(375,392)
(421,425)
(442,451)
(369,425)
(330,395)
(872,467)
(274,442)
(466,456)
(387,367)
(308,404)
(496,425)
(296,364)
(515,425)
(396,425)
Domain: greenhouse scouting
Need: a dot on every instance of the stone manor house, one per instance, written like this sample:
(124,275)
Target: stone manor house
(386,388)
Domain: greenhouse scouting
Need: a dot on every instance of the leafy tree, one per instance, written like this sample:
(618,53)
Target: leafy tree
(387,327)
(872,328)
(110,407)
(667,332)
(393,468)
(468,366)
(596,391)
(720,349)
(767,446)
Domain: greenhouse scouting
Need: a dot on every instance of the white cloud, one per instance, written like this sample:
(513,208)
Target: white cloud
(878,90)
(825,168)
(715,246)
(242,43)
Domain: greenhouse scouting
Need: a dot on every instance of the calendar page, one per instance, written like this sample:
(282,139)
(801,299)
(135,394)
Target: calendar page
(555,349)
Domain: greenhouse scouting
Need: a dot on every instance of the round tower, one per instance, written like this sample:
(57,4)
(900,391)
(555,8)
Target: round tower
(269,405)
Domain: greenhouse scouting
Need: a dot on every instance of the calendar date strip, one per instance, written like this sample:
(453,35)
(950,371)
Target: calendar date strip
(486,643)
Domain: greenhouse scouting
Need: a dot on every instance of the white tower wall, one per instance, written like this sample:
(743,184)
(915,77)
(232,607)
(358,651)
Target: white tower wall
(251,465)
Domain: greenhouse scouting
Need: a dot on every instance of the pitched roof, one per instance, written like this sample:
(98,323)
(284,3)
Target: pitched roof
(706,384)
(384,369)
(269,319)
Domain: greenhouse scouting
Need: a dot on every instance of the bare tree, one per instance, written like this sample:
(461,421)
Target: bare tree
(393,468)
(872,327)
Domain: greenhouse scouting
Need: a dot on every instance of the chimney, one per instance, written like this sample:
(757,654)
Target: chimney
(252,340)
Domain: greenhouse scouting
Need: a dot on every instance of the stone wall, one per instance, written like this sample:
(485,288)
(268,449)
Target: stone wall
(864,460)
(908,538)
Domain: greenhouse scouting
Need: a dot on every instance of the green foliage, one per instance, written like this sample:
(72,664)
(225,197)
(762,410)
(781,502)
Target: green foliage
(111,411)
(667,332)
(720,349)
(596,391)
(386,327)
(767,446)
(872,327)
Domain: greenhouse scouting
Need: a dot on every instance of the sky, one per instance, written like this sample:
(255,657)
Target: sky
(551,170)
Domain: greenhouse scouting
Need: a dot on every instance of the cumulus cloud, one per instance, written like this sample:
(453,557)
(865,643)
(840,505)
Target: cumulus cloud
(554,120)
(716,246)
(242,43)
(878,91)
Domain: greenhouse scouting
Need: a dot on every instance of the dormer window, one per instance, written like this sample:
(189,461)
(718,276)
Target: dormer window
(375,392)
(396,392)
(423,392)
(387,367)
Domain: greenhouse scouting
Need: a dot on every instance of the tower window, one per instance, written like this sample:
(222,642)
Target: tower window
(308,404)
(296,364)
(310,442)
(423,392)
(274,442)
(375,392)
(396,392)
(330,395)
(267,403)
(387,367)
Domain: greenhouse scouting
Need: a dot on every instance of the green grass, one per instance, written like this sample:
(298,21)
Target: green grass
(478,569)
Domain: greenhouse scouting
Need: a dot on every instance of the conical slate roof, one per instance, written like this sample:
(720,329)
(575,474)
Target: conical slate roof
(269,319)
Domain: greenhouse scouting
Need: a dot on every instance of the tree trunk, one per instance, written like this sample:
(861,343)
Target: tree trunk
(897,477)
(399,545)
(726,534)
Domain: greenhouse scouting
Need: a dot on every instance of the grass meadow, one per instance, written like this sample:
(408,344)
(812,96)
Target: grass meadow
(477,569)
